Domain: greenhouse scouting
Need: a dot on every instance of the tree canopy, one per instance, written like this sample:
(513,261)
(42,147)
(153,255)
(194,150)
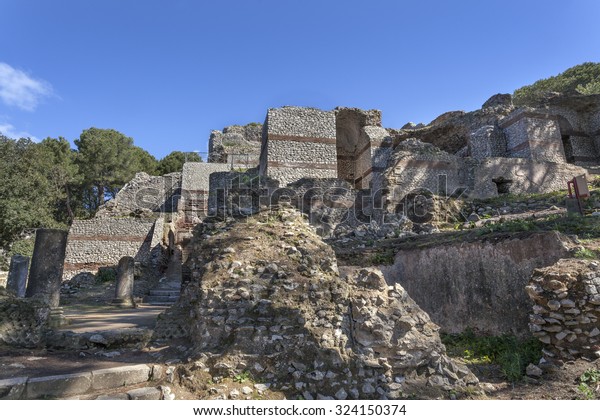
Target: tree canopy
(48,184)
(583,78)
(174,161)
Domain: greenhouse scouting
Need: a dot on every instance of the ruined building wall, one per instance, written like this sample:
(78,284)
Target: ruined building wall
(100,242)
(526,176)
(418,165)
(298,143)
(144,193)
(532,135)
(237,145)
(478,285)
(565,315)
(195,188)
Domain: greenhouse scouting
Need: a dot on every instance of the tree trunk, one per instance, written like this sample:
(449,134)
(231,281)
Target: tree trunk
(68,204)
(100,195)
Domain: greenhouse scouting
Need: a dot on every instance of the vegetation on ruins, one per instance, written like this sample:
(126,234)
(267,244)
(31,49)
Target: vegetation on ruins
(48,184)
(583,78)
(511,354)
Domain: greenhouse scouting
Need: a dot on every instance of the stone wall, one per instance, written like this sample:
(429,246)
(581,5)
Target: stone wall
(299,142)
(144,193)
(566,311)
(488,141)
(23,322)
(418,165)
(527,176)
(478,285)
(102,242)
(195,187)
(236,145)
(533,135)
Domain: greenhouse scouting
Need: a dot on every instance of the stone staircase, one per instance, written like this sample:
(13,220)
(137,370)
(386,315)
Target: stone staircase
(163,296)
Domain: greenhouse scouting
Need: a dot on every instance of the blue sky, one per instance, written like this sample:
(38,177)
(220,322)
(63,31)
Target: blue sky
(167,72)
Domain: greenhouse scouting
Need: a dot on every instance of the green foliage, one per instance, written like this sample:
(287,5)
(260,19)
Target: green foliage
(174,161)
(108,159)
(511,354)
(585,254)
(383,258)
(583,78)
(27,196)
(22,247)
(107,274)
(589,383)
(242,377)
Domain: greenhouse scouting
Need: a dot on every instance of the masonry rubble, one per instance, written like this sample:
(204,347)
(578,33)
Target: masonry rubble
(286,307)
(565,315)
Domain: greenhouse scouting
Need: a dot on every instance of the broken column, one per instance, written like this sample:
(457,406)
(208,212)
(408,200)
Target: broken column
(17,275)
(45,274)
(124,288)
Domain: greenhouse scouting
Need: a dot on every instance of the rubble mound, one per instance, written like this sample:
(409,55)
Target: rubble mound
(566,309)
(22,322)
(265,297)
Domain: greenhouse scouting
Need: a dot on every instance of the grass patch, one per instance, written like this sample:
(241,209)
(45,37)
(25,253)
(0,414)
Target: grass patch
(511,354)
(383,258)
(585,254)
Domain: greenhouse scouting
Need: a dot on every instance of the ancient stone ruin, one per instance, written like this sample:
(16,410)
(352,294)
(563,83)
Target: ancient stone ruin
(299,252)
(566,310)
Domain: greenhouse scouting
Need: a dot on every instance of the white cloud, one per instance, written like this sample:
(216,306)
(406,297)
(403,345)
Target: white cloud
(18,89)
(10,131)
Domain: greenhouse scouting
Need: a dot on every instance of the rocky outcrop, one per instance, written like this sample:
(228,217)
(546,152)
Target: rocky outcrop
(452,130)
(566,311)
(266,297)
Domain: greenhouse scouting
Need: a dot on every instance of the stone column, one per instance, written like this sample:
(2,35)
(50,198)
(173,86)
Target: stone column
(17,275)
(45,274)
(124,288)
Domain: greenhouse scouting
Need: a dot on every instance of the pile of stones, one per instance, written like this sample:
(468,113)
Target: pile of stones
(566,310)
(268,293)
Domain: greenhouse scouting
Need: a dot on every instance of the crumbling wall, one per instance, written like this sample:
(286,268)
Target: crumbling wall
(533,135)
(299,142)
(418,165)
(195,188)
(236,145)
(144,194)
(566,310)
(102,242)
(478,285)
(488,141)
(23,322)
(525,176)
(268,292)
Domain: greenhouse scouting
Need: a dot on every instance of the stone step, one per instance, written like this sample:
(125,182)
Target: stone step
(161,300)
(164,292)
(84,383)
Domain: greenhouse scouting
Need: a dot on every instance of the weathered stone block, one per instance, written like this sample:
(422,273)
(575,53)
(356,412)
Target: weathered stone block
(120,376)
(58,386)
(148,393)
(12,388)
